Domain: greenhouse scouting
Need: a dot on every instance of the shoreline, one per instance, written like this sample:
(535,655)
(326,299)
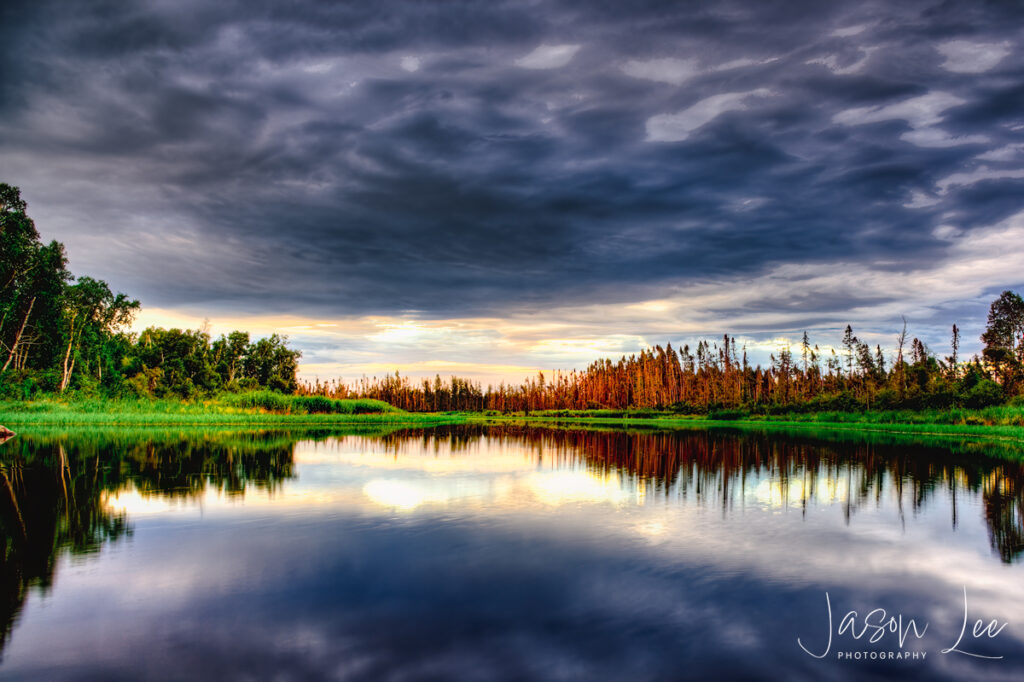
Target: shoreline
(115,414)
(995,432)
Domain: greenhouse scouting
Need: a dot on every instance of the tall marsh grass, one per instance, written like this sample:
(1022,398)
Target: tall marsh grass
(258,407)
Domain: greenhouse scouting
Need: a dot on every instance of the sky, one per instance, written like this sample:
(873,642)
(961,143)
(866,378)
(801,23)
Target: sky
(490,188)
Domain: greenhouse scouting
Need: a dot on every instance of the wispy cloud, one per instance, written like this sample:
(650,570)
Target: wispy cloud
(548,57)
(964,56)
(677,127)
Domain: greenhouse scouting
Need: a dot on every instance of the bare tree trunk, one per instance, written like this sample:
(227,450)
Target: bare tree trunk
(11,502)
(901,340)
(66,370)
(65,475)
(17,338)
(23,350)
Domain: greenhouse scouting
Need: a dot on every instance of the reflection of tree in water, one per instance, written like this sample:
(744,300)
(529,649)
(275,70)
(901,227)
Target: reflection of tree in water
(189,467)
(54,492)
(1004,511)
(714,468)
(45,510)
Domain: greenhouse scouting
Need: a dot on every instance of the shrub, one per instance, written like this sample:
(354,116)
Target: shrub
(728,415)
(983,394)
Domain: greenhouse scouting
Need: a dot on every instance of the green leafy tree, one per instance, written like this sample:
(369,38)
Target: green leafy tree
(270,363)
(18,237)
(229,355)
(1004,339)
(32,281)
(183,358)
(92,314)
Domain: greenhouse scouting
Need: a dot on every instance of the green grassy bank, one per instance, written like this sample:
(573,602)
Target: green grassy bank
(1000,415)
(267,408)
(1001,422)
(1010,433)
(263,408)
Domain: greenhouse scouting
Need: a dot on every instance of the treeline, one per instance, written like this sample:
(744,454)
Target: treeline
(716,376)
(60,333)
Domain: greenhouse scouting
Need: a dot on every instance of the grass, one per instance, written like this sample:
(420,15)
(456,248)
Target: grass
(278,403)
(266,408)
(1001,415)
(256,408)
(1003,423)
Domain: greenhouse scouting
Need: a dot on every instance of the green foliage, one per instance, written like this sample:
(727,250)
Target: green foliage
(983,394)
(270,363)
(61,334)
(171,362)
(257,407)
(728,415)
(1004,339)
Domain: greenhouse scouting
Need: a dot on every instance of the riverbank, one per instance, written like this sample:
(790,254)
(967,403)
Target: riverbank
(270,409)
(1006,433)
(993,431)
(1000,422)
(252,409)
(1001,415)
(265,409)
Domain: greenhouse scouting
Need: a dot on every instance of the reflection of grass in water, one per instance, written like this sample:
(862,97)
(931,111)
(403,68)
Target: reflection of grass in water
(1004,432)
(984,444)
(1002,442)
(268,409)
(259,436)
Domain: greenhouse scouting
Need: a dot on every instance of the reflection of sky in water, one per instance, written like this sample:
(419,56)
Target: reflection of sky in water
(503,561)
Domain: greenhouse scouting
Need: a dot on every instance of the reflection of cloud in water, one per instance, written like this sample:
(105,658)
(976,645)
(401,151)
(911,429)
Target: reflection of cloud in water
(575,487)
(135,503)
(822,488)
(504,492)
(407,495)
(525,553)
(411,456)
(512,478)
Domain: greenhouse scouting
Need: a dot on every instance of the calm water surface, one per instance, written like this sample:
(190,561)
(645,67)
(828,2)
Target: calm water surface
(506,553)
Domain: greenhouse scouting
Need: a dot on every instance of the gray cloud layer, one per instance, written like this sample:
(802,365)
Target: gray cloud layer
(463,158)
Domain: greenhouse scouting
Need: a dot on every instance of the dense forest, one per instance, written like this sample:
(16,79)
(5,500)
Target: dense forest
(60,333)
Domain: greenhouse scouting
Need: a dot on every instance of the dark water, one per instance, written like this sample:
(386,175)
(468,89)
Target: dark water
(505,554)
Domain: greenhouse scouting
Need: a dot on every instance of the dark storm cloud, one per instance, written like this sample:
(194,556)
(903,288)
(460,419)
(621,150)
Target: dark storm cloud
(338,159)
